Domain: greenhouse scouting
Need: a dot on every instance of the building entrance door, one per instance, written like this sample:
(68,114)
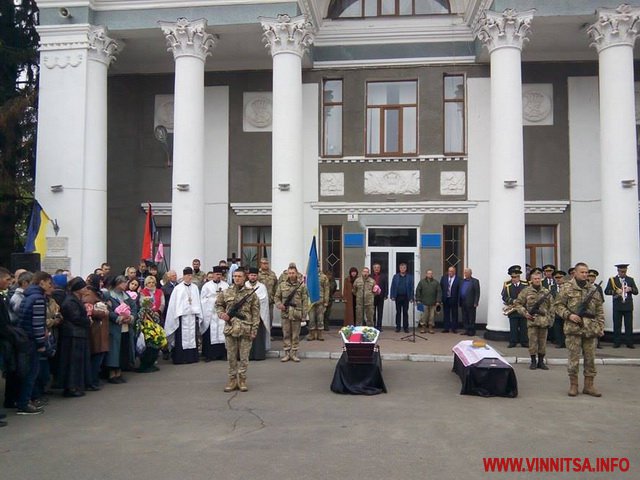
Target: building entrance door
(399,245)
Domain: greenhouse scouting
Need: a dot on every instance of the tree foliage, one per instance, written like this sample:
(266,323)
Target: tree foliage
(18,116)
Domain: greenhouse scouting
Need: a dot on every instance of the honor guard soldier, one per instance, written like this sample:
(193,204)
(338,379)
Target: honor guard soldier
(292,299)
(558,323)
(363,291)
(517,323)
(581,309)
(548,281)
(316,311)
(622,287)
(239,307)
(534,304)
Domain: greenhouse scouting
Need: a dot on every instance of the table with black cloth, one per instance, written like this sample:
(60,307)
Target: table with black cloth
(358,378)
(486,377)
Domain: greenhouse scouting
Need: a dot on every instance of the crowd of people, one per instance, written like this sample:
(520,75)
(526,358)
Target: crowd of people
(68,333)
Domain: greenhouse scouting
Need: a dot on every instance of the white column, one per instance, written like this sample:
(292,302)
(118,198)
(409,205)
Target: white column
(72,133)
(503,35)
(287,38)
(190,44)
(102,50)
(613,36)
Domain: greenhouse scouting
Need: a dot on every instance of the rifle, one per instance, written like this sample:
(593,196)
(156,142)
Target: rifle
(535,309)
(288,302)
(582,308)
(234,311)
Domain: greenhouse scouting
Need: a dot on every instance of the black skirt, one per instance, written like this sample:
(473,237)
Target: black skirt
(217,351)
(180,355)
(258,349)
(75,363)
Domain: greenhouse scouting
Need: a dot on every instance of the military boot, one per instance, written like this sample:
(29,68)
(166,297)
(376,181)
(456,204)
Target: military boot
(312,335)
(294,356)
(231,385)
(541,364)
(242,384)
(573,389)
(589,389)
(533,364)
(286,357)
(319,335)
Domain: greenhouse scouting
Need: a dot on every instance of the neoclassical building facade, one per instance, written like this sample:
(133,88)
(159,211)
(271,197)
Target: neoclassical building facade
(467,133)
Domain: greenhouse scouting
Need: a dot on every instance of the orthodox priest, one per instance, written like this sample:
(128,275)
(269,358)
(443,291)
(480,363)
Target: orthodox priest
(211,325)
(262,342)
(183,313)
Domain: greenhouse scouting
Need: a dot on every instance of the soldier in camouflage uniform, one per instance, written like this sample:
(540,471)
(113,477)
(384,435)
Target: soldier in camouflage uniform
(363,292)
(581,331)
(295,291)
(238,332)
(268,278)
(538,298)
(316,312)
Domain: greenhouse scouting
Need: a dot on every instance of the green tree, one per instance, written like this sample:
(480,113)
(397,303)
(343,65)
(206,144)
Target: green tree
(18,116)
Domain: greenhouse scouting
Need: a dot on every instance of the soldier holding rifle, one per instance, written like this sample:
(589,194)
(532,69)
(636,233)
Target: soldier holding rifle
(292,299)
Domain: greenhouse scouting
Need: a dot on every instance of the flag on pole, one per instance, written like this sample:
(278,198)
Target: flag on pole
(37,231)
(147,238)
(313,273)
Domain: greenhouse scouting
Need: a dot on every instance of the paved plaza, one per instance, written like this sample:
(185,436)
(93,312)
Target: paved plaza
(178,424)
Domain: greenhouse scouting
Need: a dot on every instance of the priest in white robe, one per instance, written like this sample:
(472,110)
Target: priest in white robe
(262,342)
(183,314)
(211,325)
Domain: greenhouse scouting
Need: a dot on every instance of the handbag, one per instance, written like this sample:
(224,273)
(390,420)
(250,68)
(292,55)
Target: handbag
(141,344)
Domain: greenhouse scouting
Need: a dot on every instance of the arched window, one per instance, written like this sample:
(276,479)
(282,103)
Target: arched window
(384,8)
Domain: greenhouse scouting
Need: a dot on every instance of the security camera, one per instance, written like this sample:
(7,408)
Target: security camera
(64,12)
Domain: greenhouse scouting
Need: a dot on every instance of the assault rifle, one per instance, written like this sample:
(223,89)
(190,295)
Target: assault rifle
(582,308)
(535,309)
(288,302)
(234,311)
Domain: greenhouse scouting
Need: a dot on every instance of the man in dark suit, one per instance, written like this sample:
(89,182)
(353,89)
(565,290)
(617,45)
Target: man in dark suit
(378,301)
(517,323)
(622,288)
(469,299)
(450,285)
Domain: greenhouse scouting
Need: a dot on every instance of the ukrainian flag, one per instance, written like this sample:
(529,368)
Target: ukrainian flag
(37,232)
(313,274)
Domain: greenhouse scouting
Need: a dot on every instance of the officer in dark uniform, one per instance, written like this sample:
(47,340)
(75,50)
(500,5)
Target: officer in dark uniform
(549,283)
(558,333)
(591,276)
(517,323)
(622,288)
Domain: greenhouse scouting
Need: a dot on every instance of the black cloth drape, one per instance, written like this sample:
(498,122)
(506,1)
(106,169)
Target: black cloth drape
(217,351)
(487,378)
(359,378)
(258,348)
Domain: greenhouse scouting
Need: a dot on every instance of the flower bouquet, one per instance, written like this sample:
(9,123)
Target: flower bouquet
(153,333)
(351,334)
(377,290)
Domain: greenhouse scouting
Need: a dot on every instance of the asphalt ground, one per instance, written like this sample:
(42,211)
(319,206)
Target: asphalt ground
(178,424)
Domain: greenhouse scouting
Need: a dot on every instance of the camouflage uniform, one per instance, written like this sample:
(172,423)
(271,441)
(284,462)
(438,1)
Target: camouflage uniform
(537,328)
(363,291)
(269,279)
(580,338)
(316,312)
(238,333)
(293,315)
(199,278)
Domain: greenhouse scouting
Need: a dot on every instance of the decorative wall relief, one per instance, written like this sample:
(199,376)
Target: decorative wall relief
(62,60)
(402,182)
(332,184)
(453,183)
(163,114)
(257,112)
(537,104)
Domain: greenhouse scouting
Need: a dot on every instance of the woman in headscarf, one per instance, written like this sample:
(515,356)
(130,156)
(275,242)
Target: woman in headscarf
(349,298)
(75,370)
(121,318)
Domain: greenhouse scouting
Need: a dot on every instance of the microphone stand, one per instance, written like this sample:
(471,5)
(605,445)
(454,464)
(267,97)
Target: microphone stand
(412,336)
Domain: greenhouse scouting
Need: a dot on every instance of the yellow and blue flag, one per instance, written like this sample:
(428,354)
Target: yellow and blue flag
(37,232)
(313,274)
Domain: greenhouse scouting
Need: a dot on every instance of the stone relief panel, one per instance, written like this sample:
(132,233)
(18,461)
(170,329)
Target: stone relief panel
(453,183)
(537,104)
(402,182)
(257,111)
(332,184)
(163,113)
(62,60)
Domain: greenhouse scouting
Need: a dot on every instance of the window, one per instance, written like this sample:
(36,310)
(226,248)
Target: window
(392,237)
(332,250)
(391,118)
(255,243)
(541,244)
(454,108)
(378,8)
(453,247)
(332,118)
